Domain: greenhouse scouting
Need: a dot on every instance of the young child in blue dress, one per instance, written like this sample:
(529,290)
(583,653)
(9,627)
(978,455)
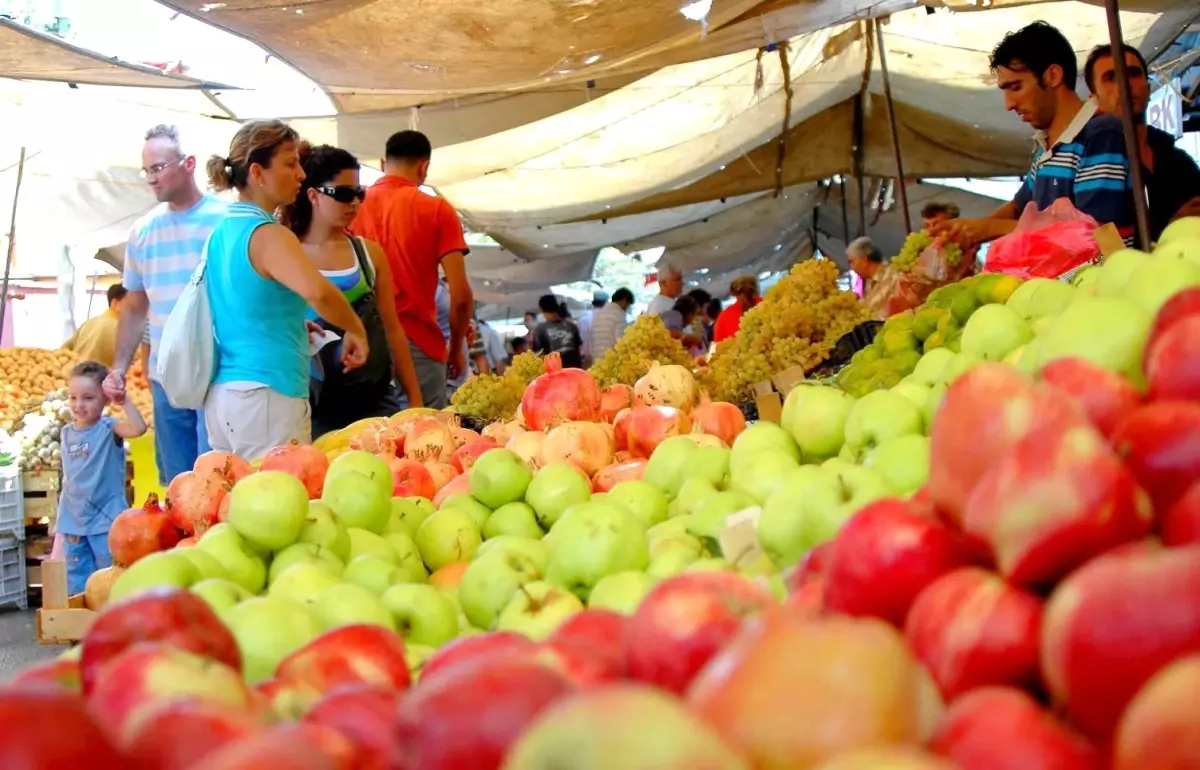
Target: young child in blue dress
(93,462)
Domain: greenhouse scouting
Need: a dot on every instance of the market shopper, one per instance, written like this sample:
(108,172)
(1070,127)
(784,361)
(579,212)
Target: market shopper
(325,207)
(609,323)
(93,465)
(745,291)
(866,260)
(260,285)
(1170,175)
(493,346)
(599,300)
(670,288)
(162,252)
(96,338)
(419,233)
(1080,151)
(678,320)
(557,334)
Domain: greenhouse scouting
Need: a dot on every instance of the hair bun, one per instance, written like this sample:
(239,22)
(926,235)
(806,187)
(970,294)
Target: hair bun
(304,149)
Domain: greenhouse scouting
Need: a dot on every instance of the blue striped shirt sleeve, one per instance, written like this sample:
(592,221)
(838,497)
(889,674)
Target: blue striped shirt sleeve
(131,277)
(1025,194)
(1102,187)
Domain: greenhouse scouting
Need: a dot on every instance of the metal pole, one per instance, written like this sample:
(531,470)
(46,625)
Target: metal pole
(860,182)
(12,234)
(891,113)
(845,212)
(1131,141)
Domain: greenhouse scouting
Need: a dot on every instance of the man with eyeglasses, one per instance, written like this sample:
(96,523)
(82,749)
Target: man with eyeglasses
(161,254)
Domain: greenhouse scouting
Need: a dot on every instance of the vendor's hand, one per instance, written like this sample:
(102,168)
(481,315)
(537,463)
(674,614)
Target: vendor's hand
(457,363)
(964,232)
(314,329)
(113,387)
(354,351)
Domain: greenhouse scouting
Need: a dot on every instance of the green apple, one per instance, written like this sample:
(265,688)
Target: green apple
(1184,228)
(668,465)
(513,519)
(206,564)
(790,524)
(357,461)
(358,502)
(534,549)
(936,394)
(815,417)
(691,495)
(762,473)
(242,564)
(1117,270)
(914,391)
(672,555)
(538,609)
(267,630)
(712,463)
(490,582)
(307,553)
(423,614)
(415,656)
(708,521)
(407,515)
(323,527)
(346,604)
(928,370)
(1110,332)
(302,582)
(1180,248)
(994,331)
(448,536)
(644,500)
(1159,279)
(759,439)
(710,565)
(408,558)
(479,512)
(374,573)
(903,462)
(594,540)
(268,509)
(958,366)
(1039,297)
(363,542)
(675,525)
(155,570)
(220,594)
(554,489)
(499,477)
(621,592)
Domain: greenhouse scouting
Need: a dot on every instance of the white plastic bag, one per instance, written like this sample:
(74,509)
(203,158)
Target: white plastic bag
(187,350)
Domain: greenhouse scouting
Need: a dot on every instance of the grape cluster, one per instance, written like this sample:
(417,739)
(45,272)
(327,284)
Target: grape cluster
(953,254)
(489,397)
(645,341)
(528,366)
(796,324)
(914,244)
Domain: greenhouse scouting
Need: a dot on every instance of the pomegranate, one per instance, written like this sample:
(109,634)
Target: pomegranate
(466,455)
(583,444)
(389,439)
(613,400)
(560,395)
(364,434)
(704,439)
(223,509)
(645,427)
(463,436)
(194,499)
(611,475)
(429,440)
(409,477)
(138,532)
(229,465)
(528,446)
(670,385)
(720,419)
(303,461)
(459,485)
(442,474)
(502,432)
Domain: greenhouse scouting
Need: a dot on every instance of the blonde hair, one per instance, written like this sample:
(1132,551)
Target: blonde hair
(255,142)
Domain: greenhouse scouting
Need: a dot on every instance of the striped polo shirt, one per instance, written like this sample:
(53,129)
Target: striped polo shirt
(1087,165)
(163,250)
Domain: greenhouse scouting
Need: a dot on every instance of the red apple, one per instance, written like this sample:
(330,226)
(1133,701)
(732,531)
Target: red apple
(790,693)
(1173,364)
(276,699)
(47,728)
(52,673)
(470,715)
(172,616)
(1105,396)
(466,649)
(364,715)
(409,477)
(999,728)
(591,643)
(176,735)
(1183,305)
(148,675)
(359,654)
(883,557)
(686,620)
(984,413)
(609,476)
(1160,443)
(1181,524)
(1160,730)
(971,629)
(465,456)
(1054,501)
(892,758)
(330,743)
(459,485)
(279,748)
(1112,624)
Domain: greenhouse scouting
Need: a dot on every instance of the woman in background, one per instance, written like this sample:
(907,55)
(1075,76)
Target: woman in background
(745,291)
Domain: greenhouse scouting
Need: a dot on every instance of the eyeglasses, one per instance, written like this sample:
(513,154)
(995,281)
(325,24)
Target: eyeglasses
(158,168)
(344,193)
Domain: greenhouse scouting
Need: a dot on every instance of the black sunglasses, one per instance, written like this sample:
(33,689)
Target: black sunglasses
(344,193)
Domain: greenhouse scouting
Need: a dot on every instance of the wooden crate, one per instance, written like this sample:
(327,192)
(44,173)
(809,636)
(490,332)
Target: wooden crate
(62,619)
(40,489)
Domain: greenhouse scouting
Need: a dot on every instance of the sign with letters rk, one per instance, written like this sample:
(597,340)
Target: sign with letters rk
(1165,110)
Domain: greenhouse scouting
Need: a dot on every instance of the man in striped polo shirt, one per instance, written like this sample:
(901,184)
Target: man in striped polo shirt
(163,250)
(1080,153)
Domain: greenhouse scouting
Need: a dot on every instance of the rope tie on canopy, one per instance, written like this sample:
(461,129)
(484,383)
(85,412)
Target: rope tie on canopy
(786,66)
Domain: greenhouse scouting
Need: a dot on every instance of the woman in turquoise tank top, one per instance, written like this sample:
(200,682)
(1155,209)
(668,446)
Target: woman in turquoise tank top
(260,284)
(325,207)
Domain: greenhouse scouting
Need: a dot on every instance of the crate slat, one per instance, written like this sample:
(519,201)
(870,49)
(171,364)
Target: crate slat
(62,619)
(44,481)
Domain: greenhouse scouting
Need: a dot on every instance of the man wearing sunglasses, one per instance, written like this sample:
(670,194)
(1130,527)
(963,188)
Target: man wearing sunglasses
(163,250)
(419,232)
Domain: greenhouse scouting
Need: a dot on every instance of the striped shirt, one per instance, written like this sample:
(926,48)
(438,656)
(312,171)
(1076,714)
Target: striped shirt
(608,324)
(163,250)
(1087,165)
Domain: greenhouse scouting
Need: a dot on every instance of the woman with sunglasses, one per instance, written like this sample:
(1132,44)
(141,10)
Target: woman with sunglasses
(325,207)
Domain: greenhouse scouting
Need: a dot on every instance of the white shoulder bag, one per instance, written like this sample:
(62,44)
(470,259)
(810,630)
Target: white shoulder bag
(187,350)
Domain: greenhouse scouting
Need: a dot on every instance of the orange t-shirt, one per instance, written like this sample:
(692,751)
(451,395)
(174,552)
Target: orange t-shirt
(415,231)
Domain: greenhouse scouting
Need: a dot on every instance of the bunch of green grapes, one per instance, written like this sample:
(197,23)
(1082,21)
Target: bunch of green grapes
(528,366)
(645,341)
(953,254)
(914,244)
(489,397)
(838,314)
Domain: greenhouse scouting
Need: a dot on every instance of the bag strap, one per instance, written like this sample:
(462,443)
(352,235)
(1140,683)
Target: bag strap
(364,260)
(198,274)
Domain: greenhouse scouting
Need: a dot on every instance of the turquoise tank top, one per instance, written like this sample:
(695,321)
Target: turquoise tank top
(258,322)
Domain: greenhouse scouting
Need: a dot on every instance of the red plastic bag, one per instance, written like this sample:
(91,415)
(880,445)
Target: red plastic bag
(1049,244)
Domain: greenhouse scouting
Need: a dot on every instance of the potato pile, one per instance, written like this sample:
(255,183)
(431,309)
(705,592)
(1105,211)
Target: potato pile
(27,376)
(137,388)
